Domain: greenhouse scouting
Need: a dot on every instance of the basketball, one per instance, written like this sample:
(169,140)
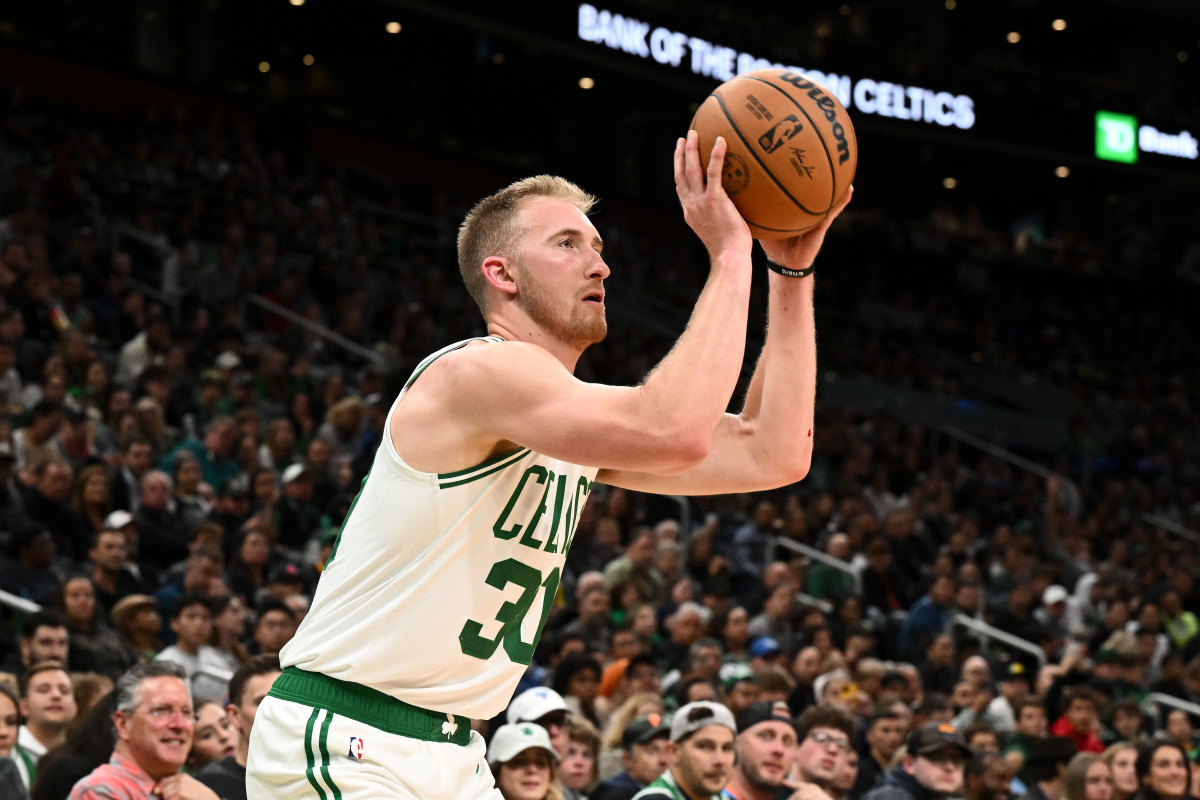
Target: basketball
(791,149)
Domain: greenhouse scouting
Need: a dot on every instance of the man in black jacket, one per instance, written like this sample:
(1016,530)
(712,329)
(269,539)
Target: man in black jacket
(932,768)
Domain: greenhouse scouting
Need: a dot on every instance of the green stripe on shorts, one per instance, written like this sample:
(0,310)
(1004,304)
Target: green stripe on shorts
(308,753)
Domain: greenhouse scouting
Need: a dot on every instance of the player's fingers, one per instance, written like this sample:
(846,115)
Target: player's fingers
(691,162)
(679,170)
(716,162)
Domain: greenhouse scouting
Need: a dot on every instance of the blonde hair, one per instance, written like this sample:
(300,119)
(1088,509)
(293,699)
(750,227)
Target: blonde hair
(491,229)
(625,714)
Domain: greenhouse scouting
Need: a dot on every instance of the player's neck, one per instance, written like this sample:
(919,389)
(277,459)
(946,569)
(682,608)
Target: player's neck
(526,330)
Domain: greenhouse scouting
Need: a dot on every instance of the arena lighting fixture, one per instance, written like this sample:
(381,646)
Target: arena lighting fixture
(1013,37)
(296,2)
(264,66)
(949,183)
(1062,172)
(1181,56)
(497,58)
(309,60)
(392,27)
(1059,24)
(951,5)
(586,83)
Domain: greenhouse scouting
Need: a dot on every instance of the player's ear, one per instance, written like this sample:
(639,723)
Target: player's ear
(500,273)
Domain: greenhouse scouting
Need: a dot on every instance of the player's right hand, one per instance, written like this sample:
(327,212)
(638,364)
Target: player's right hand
(706,207)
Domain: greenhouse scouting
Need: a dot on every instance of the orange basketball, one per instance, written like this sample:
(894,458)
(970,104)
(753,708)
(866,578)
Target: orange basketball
(792,151)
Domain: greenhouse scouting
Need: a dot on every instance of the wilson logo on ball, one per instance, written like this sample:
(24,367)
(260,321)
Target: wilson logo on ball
(780,132)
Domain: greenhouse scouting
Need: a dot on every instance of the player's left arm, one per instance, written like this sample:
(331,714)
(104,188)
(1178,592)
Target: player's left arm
(769,444)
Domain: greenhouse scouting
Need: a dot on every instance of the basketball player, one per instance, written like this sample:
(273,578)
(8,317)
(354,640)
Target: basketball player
(444,572)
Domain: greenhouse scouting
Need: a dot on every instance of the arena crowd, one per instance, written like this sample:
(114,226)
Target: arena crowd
(176,460)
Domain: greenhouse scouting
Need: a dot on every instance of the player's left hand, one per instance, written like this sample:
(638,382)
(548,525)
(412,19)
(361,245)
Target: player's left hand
(800,251)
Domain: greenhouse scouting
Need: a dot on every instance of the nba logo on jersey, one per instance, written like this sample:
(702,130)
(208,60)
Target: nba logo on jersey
(356,747)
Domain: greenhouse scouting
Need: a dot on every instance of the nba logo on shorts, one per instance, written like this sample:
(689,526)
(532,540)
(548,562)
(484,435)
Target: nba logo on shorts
(356,747)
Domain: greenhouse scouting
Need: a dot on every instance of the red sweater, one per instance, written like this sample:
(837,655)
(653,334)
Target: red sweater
(1085,741)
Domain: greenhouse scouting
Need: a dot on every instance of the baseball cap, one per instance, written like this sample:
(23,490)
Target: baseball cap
(238,486)
(1016,671)
(700,714)
(228,360)
(117,520)
(292,472)
(1054,594)
(932,737)
(509,741)
(643,729)
(764,646)
(533,704)
(286,572)
(734,673)
(763,711)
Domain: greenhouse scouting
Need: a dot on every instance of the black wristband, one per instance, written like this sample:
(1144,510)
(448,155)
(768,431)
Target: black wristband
(792,273)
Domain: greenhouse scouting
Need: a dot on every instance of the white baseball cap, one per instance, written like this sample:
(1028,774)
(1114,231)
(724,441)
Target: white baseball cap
(694,716)
(291,473)
(509,741)
(533,704)
(117,520)
(1054,594)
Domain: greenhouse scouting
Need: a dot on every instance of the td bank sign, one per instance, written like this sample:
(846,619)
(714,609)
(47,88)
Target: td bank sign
(1119,138)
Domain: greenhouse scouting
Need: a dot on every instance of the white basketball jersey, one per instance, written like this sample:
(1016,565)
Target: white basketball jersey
(439,584)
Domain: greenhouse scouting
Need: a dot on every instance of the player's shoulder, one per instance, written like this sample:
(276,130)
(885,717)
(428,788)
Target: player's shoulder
(493,361)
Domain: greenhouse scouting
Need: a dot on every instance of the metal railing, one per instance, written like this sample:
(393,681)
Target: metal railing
(992,632)
(1171,526)
(824,558)
(1154,699)
(19,603)
(314,327)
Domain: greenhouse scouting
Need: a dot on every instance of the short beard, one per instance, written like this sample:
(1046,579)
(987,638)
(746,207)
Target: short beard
(576,333)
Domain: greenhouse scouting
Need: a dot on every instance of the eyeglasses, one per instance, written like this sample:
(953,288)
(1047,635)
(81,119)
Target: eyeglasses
(167,712)
(824,739)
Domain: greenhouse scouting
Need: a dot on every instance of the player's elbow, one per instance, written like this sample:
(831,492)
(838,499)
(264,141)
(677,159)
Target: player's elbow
(684,448)
(788,466)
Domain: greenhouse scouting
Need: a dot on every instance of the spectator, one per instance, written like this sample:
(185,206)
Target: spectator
(274,628)
(823,733)
(247,689)
(637,564)
(577,769)
(28,569)
(214,738)
(932,768)
(645,755)
(523,763)
(135,461)
(1047,764)
(766,747)
(207,669)
(826,582)
(162,537)
(928,617)
(46,504)
(36,445)
(137,619)
(44,637)
(987,776)
(545,706)
(93,645)
(1080,719)
(154,727)
(883,738)
(1088,777)
(1162,770)
(214,453)
(88,745)
(700,754)
(612,753)
(577,680)
(1122,762)
(48,708)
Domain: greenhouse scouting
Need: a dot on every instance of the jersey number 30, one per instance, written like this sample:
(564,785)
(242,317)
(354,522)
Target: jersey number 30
(511,615)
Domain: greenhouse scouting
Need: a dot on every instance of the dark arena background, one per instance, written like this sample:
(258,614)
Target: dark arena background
(264,195)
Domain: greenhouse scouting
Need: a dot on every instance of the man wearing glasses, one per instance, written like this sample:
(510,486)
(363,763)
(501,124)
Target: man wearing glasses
(155,720)
(932,768)
(824,733)
(701,755)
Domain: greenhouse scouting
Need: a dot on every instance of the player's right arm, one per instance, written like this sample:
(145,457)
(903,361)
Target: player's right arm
(477,400)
